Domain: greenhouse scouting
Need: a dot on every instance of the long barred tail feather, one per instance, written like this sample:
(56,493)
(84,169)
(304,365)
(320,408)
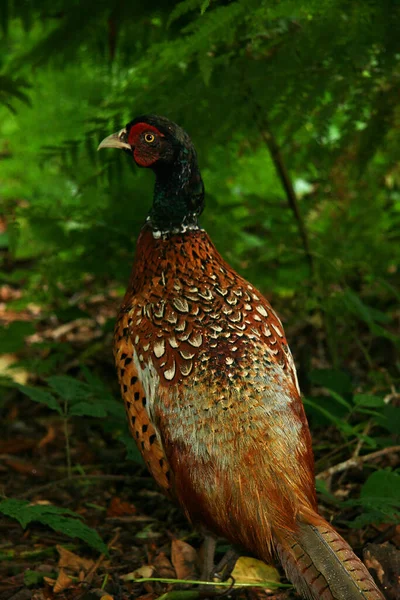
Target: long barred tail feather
(322,566)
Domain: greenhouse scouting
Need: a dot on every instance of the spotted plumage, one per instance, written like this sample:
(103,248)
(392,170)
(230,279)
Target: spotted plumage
(210,386)
(192,322)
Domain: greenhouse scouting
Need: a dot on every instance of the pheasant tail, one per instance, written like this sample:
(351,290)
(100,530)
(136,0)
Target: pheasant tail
(322,566)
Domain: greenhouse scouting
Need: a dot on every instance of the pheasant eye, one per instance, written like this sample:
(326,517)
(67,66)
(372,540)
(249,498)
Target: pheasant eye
(149,137)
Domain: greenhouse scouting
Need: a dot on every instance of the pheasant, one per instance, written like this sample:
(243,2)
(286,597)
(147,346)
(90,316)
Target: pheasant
(210,386)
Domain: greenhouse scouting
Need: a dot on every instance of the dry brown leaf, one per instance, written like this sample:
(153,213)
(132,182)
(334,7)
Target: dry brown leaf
(142,573)
(183,557)
(69,560)
(252,570)
(164,567)
(63,582)
(120,508)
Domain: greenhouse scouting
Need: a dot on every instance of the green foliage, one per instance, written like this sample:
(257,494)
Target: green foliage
(13,337)
(262,57)
(349,411)
(390,419)
(76,398)
(33,578)
(379,499)
(44,397)
(70,397)
(12,89)
(368,400)
(60,519)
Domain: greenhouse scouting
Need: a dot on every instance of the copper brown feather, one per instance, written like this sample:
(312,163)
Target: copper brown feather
(210,386)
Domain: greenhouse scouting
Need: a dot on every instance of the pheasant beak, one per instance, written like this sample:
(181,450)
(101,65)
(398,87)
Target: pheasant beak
(116,140)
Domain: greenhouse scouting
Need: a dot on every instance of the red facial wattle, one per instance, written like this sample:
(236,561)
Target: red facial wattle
(145,157)
(144,154)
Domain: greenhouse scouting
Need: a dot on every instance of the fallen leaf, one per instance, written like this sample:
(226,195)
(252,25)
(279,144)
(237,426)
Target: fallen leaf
(164,567)
(183,557)
(142,573)
(252,570)
(120,508)
(69,560)
(63,582)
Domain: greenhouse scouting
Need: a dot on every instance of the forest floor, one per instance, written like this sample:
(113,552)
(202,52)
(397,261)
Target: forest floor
(146,535)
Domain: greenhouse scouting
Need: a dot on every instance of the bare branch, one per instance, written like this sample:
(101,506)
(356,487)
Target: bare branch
(356,462)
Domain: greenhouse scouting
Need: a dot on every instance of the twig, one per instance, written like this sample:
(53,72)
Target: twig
(358,448)
(333,452)
(69,480)
(360,442)
(56,333)
(283,174)
(93,569)
(356,461)
(228,584)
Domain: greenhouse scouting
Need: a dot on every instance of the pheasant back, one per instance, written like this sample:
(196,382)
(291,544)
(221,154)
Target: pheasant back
(208,380)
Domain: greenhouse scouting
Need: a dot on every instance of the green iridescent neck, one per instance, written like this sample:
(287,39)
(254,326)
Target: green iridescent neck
(178,194)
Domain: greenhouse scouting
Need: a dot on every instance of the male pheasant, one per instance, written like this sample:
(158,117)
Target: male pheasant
(210,387)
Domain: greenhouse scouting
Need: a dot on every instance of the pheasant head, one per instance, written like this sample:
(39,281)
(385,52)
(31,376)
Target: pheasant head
(159,144)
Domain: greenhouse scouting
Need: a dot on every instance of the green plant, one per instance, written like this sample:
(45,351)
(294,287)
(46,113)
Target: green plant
(70,397)
(60,519)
